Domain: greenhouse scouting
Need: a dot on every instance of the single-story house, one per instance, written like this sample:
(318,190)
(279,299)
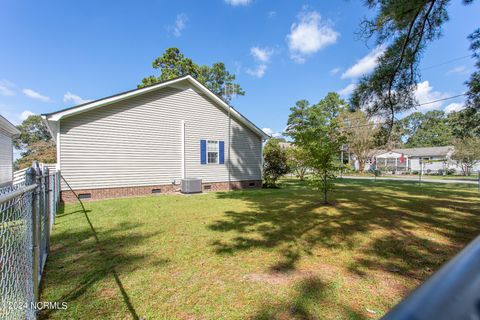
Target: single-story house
(425,160)
(7,132)
(145,140)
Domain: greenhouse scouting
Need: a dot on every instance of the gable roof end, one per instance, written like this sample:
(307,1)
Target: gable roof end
(64,113)
(8,127)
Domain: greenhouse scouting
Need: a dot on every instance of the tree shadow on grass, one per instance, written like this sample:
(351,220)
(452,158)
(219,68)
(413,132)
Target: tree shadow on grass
(405,229)
(82,259)
(311,295)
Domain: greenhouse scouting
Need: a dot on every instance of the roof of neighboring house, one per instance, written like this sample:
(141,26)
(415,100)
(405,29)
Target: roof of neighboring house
(8,127)
(419,152)
(56,116)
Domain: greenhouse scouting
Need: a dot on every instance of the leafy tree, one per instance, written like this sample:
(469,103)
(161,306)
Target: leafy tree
(315,130)
(404,29)
(465,123)
(389,138)
(360,134)
(35,143)
(274,163)
(298,117)
(41,151)
(331,107)
(173,64)
(467,153)
(32,129)
(473,98)
(430,129)
(297,161)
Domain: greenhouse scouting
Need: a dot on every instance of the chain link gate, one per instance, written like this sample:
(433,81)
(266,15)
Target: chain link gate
(27,212)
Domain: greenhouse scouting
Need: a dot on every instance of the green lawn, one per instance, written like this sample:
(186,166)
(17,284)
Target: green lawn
(258,254)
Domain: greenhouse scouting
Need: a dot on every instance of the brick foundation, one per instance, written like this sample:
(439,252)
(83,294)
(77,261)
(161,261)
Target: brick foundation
(109,193)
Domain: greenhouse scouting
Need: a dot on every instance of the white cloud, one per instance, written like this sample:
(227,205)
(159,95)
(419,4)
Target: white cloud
(348,90)
(6,88)
(179,25)
(364,65)
(270,132)
(454,107)
(425,93)
(458,70)
(238,2)
(70,97)
(261,54)
(309,35)
(35,95)
(272,14)
(334,71)
(25,114)
(258,72)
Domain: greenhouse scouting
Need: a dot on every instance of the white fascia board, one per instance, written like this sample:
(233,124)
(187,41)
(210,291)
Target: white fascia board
(52,127)
(96,104)
(8,127)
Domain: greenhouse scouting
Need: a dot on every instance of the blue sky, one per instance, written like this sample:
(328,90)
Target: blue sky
(55,54)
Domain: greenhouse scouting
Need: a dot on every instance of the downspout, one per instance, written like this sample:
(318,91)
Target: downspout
(184,174)
(229,144)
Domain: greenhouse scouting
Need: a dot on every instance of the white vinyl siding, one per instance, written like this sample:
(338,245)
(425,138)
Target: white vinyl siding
(6,158)
(137,142)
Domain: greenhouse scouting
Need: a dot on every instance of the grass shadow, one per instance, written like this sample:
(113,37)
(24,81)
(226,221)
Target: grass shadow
(85,258)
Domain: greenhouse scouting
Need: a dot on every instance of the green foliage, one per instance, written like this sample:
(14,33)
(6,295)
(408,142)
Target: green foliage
(404,28)
(426,129)
(173,64)
(473,100)
(465,123)
(32,129)
(35,143)
(41,151)
(297,161)
(315,130)
(360,134)
(274,163)
(467,153)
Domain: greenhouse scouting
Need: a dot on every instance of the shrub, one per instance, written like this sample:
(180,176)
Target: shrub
(274,164)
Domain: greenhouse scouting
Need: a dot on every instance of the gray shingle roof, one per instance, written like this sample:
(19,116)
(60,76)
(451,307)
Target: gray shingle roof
(420,152)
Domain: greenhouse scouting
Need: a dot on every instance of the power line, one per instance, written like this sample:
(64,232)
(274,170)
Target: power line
(416,105)
(446,62)
(438,100)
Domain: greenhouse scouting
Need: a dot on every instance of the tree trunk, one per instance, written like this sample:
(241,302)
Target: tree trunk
(361,165)
(301,174)
(325,201)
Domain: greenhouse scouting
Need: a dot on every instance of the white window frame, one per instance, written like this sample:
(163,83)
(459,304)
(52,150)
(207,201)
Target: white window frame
(218,151)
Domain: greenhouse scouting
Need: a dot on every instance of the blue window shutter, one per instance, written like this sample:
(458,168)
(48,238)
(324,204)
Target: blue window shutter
(221,152)
(203,151)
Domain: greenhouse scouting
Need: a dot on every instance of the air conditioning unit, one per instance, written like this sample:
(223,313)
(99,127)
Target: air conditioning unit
(191,185)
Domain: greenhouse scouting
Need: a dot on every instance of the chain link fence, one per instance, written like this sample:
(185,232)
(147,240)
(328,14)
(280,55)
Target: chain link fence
(27,213)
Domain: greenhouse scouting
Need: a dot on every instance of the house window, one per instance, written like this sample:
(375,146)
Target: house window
(212,151)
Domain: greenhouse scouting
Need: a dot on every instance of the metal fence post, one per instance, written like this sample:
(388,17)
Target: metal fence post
(31,178)
(48,211)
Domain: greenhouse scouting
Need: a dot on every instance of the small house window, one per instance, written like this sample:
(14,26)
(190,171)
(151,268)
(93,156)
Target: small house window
(212,151)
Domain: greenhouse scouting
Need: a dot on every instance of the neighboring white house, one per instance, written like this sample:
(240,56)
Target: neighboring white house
(426,160)
(145,140)
(7,132)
